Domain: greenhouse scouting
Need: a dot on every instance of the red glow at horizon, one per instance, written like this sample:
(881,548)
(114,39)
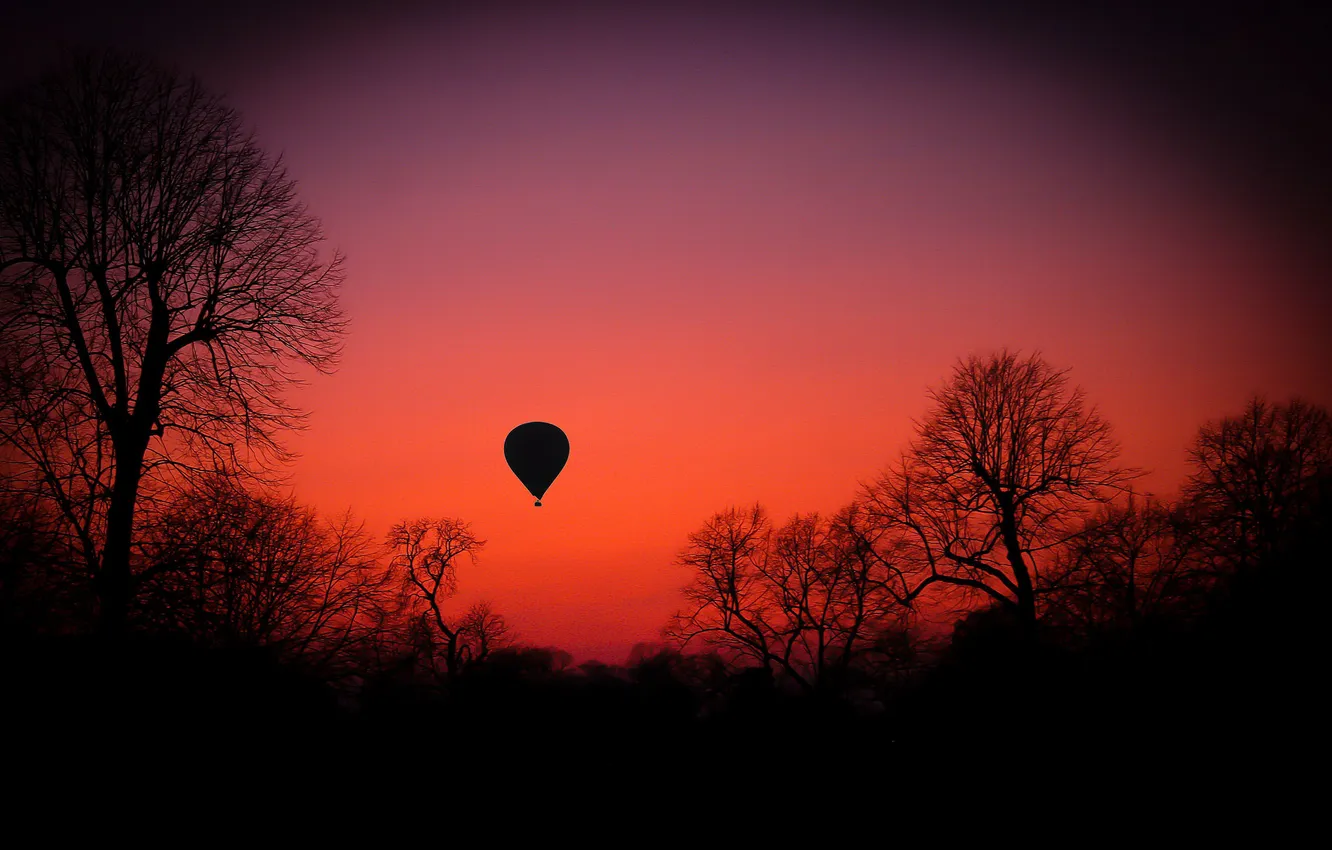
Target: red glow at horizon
(728,267)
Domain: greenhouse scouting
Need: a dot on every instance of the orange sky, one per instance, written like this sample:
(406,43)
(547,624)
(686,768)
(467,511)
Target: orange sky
(728,260)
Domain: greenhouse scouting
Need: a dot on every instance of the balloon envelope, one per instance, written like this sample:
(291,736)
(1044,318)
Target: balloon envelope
(536,452)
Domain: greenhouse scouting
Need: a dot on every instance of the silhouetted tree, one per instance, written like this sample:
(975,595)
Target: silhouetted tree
(560,660)
(426,555)
(1258,476)
(1131,562)
(483,630)
(1001,470)
(158,279)
(799,599)
(234,568)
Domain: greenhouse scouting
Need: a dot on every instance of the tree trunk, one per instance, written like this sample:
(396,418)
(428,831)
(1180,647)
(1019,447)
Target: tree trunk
(451,660)
(130,440)
(1026,596)
(114,580)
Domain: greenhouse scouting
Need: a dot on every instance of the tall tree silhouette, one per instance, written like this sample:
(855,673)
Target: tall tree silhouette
(159,280)
(1001,470)
(1257,476)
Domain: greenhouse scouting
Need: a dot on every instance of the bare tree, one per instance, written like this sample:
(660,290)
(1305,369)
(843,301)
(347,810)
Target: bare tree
(232,567)
(1131,562)
(159,280)
(801,600)
(426,555)
(1258,475)
(1000,471)
(724,597)
(483,630)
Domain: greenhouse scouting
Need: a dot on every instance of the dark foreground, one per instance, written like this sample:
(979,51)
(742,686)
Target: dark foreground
(1231,697)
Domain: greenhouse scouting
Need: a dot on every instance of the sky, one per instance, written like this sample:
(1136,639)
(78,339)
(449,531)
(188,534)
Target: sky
(728,252)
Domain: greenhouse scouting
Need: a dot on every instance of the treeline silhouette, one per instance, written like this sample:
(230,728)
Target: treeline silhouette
(998,594)
(1181,629)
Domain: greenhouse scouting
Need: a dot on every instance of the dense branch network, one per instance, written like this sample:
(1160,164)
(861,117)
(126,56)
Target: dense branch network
(160,287)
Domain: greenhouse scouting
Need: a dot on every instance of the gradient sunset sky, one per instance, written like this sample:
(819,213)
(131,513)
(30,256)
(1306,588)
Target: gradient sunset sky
(728,253)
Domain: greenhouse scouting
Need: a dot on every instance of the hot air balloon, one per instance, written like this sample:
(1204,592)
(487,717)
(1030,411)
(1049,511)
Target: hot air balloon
(536,452)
